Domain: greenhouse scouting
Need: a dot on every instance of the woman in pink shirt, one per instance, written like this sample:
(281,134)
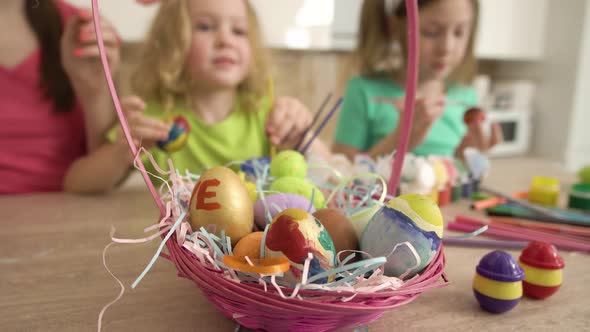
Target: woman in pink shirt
(54,102)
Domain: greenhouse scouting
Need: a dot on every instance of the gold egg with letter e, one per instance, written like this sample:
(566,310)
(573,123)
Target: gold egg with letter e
(220,198)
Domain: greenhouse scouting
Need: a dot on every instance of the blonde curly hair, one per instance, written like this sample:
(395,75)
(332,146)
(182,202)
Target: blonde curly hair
(162,73)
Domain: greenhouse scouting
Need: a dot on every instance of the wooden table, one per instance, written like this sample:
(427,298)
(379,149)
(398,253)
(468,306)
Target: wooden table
(52,277)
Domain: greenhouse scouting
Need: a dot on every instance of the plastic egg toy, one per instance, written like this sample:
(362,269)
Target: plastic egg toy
(474,115)
(177,135)
(249,245)
(276,203)
(288,163)
(293,234)
(497,284)
(542,266)
(220,198)
(413,219)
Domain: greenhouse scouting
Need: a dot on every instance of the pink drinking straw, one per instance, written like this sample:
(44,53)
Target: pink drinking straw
(122,119)
(410,100)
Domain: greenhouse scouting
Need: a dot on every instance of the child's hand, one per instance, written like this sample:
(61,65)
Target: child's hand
(80,56)
(426,111)
(145,130)
(287,122)
(476,138)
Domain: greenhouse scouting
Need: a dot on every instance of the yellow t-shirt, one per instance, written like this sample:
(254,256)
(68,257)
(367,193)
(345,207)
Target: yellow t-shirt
(239,137)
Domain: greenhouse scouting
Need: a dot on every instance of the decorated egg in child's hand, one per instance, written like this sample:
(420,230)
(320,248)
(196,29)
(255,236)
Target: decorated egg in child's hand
(406,220)
(221,199)
(293,234)
(474,115)
(177,136)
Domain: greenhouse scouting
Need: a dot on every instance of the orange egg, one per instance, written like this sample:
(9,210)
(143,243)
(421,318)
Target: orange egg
(220,198)
(249,245)
(340,229)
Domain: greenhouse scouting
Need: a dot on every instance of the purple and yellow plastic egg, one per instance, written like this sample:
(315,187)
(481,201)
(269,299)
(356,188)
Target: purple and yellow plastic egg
(543,267)
(497,284)
(412,219)
(293,234)
(177,136)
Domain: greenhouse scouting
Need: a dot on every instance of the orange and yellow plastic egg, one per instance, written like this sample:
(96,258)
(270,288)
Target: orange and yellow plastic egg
(294,233)
(220,198)
(177,136)
(497,284)
(543,267)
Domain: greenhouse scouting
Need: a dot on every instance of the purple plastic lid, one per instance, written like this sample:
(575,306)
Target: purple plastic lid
(500,266)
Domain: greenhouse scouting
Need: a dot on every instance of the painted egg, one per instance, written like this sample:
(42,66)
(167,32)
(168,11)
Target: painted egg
(294,233)
(177,135)
(249,245)
(340,229)
(299,186)
(220,198)
(276,203)
(361,219)
(474,115)
(413,219)
(288,163)
(542,267)
(497,284)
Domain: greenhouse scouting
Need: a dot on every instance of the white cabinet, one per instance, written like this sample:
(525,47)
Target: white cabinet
(131,19)
(508,29)
(512,29)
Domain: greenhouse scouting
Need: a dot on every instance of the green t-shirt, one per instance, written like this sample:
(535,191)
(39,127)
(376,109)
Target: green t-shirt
(363,123)
(239,137)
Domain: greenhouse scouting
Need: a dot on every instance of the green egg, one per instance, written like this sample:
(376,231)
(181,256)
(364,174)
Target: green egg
(299,186)
(288,163)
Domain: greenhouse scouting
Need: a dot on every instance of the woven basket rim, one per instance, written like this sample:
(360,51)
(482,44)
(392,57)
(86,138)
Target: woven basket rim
(190,267)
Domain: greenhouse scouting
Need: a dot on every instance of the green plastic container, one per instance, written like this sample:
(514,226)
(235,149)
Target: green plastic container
(579,197)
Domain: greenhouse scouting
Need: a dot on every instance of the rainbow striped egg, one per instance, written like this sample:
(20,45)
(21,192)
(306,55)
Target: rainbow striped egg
(543,266)
(497,284)
(177,135)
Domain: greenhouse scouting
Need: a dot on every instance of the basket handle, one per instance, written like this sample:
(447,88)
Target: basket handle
(410,100)
(117,103)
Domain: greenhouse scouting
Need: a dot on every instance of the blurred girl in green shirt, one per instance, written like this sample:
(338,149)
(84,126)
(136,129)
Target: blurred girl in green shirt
(203,60)
(446,67)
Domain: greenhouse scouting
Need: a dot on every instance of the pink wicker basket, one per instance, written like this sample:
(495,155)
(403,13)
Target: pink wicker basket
(258,309)
(262,308)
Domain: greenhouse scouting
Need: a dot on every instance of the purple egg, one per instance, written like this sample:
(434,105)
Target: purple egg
(277,203)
